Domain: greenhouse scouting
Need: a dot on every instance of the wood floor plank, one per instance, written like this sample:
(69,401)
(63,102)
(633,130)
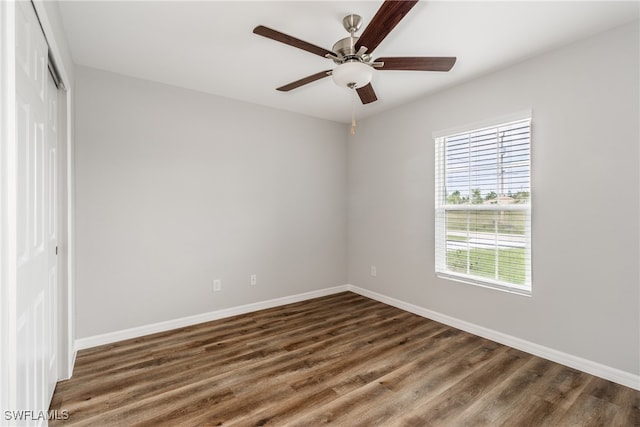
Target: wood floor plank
(165,378)
(513,393)
(434,371)
(589,411)
(344,366)
(342,359)
(352,372)
(447,405)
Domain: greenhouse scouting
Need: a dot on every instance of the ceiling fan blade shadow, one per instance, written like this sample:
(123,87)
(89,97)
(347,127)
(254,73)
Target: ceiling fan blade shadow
(304,81)
(367,94)
(386,18)
(272,34)
(417,63)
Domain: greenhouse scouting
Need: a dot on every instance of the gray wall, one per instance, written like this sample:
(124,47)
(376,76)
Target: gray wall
(585,188)
(177,188)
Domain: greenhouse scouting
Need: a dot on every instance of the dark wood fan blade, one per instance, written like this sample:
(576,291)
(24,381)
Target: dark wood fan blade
(386,18)
(290,40)
(304,81)
(367,94)
(417,63)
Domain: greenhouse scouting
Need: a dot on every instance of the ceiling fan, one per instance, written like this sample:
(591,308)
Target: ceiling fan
(353,54)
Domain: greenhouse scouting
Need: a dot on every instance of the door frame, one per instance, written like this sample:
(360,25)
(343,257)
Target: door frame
(8,222)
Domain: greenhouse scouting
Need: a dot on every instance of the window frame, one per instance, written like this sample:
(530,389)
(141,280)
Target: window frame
(441,207)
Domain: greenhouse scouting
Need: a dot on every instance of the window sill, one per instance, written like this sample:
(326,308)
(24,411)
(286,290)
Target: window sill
(485,284)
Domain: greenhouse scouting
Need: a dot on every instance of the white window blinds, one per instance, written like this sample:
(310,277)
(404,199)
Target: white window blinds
(483,206)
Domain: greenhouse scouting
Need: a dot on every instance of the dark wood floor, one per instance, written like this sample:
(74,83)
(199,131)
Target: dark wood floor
(344,360)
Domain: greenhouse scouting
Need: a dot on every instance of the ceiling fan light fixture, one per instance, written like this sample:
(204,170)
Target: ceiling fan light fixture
(352,74)
(353,54)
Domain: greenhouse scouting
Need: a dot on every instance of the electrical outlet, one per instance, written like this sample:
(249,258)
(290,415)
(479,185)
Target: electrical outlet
(216,285)
(254,279)
(374,271)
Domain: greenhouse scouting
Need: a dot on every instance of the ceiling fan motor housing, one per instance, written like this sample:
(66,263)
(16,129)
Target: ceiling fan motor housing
(345,49)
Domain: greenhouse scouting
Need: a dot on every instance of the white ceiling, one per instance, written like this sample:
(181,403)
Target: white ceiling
(209,46)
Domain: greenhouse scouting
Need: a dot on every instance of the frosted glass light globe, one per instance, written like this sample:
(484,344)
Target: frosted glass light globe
(352,74)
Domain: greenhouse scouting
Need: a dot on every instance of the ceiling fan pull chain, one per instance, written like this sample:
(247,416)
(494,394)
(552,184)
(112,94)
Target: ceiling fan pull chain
(353,111)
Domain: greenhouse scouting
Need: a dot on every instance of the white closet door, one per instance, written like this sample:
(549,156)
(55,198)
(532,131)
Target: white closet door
(36,235)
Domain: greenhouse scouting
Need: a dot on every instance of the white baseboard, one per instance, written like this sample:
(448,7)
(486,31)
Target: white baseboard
(594,368)
(588,366)
(139,331)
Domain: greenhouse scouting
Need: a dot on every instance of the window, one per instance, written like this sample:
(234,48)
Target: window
(483,204)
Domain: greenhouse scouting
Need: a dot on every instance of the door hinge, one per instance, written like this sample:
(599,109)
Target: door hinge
(56,250)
